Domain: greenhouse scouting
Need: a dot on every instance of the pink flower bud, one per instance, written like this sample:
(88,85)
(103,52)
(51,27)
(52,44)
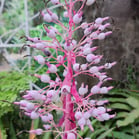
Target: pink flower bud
(104,90)
(94,69)
(30,106)
(60,59)
(88,122)
(99,20)
(86,51)
(39,131)
(95,89)
(92,102)
(50,93)
(65,14)
(94,35)
(57,79)
(77,18)
(54,29)
(84,25)
(40,46)
(65,73)
(44,118)
(100,118)
(101,36)
(68,46)
(55,2)
(35,95)
(87,31)
(101,102)
(47,17)
(47,127)
(83,66)
(90,57)
(45,78)
(34,115)
(87,115)
(102,77)
(52,68)
(85,102)
(74,42)
(90,2)
(50,117)
(78,115)
(101,27)
(54,16)
(65,89)
(82,90)
(76,67)
(36,39)
(95,112)
(105,116)
(71,136)
(81,123)
(23,103)
(51,33)
(109,65)
(97,60)
(40,59)
(101,110)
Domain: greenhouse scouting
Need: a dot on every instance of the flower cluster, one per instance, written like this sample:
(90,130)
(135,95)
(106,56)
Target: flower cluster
(78,107)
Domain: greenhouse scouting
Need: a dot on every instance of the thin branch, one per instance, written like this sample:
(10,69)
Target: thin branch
(2,6)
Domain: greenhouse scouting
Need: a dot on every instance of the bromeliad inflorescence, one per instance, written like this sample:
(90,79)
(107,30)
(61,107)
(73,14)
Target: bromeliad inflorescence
(78,106)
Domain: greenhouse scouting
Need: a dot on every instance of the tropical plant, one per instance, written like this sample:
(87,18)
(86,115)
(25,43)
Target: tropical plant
(61,94)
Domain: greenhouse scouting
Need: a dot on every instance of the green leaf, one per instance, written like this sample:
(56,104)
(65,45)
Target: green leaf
(121,114)
(122,100)
(12,131)
(2,130)
(120,135)
(130,118)
(133,102)
(120,106)
(103,135)
(96,133)
(46,135)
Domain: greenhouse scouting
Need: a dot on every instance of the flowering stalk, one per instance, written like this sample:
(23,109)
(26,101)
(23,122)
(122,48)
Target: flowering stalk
(78,107)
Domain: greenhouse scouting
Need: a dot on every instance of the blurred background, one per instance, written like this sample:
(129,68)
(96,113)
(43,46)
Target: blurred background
(20,18)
